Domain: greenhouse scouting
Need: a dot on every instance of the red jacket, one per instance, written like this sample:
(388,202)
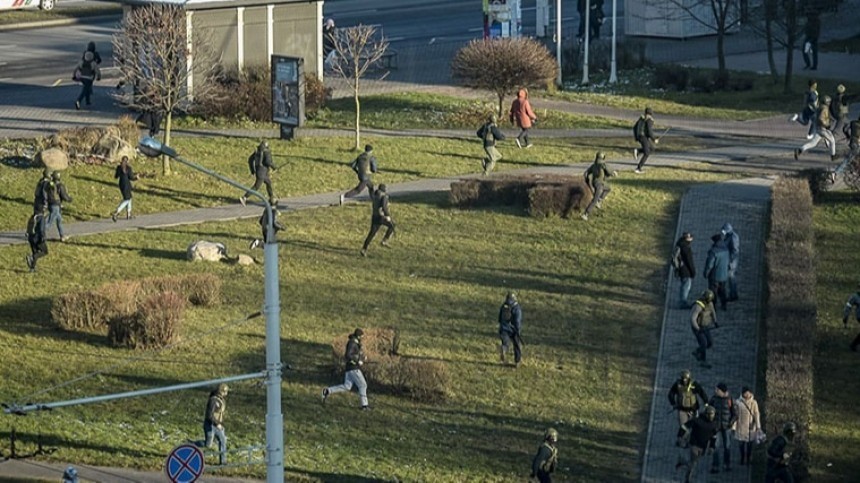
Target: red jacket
(521,110)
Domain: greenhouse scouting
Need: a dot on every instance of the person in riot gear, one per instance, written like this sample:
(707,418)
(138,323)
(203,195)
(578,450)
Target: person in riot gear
(213,422)
(595,177)
(510,325)
(701,434)
(684,396)
(381,216)
(703,318)
(364,166)
(546,459)
(262,164)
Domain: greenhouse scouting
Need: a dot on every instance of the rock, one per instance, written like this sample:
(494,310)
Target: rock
(53,159)
(245,260)
(206,251)
(111,146)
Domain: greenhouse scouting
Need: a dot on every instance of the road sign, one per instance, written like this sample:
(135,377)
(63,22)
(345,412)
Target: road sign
(184,464)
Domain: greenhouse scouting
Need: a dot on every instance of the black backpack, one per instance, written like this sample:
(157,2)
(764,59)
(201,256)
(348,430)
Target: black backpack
(252,162)
(677,262)
(639,129)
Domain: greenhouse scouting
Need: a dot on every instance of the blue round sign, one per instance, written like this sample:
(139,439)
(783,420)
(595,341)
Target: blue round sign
(184,464)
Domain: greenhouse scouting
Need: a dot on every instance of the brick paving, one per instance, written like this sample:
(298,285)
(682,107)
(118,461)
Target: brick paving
(704,209)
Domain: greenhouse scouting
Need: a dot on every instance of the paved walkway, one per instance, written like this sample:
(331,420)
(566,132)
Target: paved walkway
(42,471)
(703,211)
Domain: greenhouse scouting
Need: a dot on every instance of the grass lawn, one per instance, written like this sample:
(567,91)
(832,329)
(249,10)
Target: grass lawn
(835,437)
(308,165)
(36,15)
(592,305)
(763,100)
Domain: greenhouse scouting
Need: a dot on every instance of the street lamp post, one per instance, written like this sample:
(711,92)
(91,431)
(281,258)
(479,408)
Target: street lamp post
(274,417)
(613,73)
(558,40)
(585,38)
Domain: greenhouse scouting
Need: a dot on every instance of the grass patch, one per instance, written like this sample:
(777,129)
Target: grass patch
(836,391)
(763,100)
(36,15)
(591,330)
(308,165)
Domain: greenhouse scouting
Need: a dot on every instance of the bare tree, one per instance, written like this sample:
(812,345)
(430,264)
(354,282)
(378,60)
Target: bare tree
(154,56)
(718,15)
(778,22)
(503,65)
(357,49)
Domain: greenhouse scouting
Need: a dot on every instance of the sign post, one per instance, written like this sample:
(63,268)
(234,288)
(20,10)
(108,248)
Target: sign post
(288,94)
(185,464)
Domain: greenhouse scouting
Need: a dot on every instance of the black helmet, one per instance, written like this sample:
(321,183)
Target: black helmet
(685,375)
(551,435)
(789,429)
(368,148)
(383,188)
(510,298)
(55,176)
(710,413)
(599,156)
(708,296)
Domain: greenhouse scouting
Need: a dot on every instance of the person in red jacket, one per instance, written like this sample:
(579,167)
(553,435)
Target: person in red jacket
(523,116)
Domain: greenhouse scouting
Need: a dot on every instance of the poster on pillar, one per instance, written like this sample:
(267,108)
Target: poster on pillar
(288,97)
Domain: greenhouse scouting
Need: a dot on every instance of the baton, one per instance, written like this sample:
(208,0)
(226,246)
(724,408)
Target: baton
(664,133)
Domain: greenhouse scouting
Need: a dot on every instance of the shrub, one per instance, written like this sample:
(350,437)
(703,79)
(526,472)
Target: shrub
(557,199)
(154,325)
(83,310)
(203,289)
(123,296)
(791,315)
(316,95)
(540,195)
(671,77)
(240,94)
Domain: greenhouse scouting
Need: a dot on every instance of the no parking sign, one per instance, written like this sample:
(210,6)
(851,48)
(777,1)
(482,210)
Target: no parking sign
(184,464)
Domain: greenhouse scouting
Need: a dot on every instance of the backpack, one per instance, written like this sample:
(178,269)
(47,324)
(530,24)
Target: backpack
(482,131)
(252,162)
(677,262)
(639,129)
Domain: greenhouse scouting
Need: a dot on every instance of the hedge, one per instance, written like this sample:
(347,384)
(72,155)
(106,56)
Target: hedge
(538,194)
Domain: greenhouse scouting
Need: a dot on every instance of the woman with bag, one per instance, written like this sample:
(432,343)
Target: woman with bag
(748,431)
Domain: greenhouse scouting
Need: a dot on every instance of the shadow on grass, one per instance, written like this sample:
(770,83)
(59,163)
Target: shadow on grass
(18,200)
(30,441)
(178,196)
(298,474)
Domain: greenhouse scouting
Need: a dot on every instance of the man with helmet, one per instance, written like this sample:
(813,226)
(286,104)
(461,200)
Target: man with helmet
(702,435)
(510,324)
(595,177)
(364,166)
(546,459)
(822,130)
(353,376)
(643,133)
(489,132)
(779,455)
(703,318)
(260,164)
(213,422)
(853,303)
(381,216)
(684,396)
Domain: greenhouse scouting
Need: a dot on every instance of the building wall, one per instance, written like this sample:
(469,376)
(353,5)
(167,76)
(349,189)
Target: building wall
(672,19)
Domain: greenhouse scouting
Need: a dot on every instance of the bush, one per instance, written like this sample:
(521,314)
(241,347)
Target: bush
(316,95)
(123,295)
(203,289)
(671,77)
(154,325)
(629,55)
(539,195)
(240,94)
(791,316)
(83,310)
(558,199)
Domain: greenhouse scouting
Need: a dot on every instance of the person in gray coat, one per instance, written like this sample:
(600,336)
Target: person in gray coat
(717,268)
(733,244)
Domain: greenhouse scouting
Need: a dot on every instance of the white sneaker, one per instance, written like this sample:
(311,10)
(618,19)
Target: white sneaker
(793,118)
(599,205)
(243,200)
(809,136)
(584,217)
(638,171)
(254,244)
(519,145)
(635,154)
(341,199)
(529,145)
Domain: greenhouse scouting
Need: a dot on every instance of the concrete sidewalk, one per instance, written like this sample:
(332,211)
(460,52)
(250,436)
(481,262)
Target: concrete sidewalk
(704,209)
(41,471)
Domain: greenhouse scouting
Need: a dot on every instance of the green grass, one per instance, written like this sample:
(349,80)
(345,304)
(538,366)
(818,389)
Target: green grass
(36,15)
(308,165)
(836,391)
(635,91)
(592,312)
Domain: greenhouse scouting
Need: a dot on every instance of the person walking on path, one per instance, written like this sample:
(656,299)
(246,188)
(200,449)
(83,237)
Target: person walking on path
(779,455)
(56,195)
(852,132)
(260,163)
(703,319)
(839,110)
(91,47)
(810,107)
(685,396)
(702,434)
(381,216)
(726,418)
(853,303)
(546,459)
(125,175)
(364,166)
(595,177)
(87,72)
(523,116)
(353,377)
(643,132)
(749,424)
(821,124)
(510,327)
(264,225)
(717,268)
(733,244)
(489,132)
(812,30)
(36,239)
(685,267)
(213,422)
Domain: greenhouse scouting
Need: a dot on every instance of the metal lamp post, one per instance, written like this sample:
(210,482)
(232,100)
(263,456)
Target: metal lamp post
(274,417)
(585,38)
(558,41)
(613,74)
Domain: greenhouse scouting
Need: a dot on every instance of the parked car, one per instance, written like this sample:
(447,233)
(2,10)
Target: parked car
(20,4)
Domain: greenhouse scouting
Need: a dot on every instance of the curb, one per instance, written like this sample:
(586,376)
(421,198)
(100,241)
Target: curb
(58,22)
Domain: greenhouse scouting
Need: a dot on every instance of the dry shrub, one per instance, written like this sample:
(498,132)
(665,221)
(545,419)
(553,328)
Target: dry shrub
(316,95)
(202,289)
(83,310)
(128,130)
(77,140)
(154,325)
(791,315)
(239,94)
(123,295)
(541,195)
(376,343)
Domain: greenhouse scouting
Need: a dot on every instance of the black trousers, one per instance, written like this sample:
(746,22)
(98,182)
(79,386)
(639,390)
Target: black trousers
(375,224)
(646,147)
(259,181)
(362,183)
(600,192)
(719,288)
(39,250)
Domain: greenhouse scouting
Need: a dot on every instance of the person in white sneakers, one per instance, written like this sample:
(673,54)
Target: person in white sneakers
(353,376)
(822,123)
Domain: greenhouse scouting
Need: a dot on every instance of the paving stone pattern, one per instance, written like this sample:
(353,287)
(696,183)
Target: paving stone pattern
(704,209)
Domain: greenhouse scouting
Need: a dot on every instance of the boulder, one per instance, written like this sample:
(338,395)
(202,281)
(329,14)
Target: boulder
(53,159)
(245,260)
(111,146)
(206,251)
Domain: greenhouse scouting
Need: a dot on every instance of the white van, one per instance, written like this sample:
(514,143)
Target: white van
(18,4)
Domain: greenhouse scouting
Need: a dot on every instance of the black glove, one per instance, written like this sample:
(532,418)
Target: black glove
(716,325)
(845,321)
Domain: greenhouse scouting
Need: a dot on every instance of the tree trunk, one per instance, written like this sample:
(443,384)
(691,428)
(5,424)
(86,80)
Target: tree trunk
(721,51)
(357,118)
(791,36)
(768,30)
(501,106)
(165,161)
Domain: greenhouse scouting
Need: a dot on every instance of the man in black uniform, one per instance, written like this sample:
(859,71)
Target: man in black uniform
(546,459)
(213,422)
(364,167)
(684,396)
(381,217)
(779,456)
(36,239)
(264,225)
(262,164)
(595,178)
(510,325)
(702,434)
(644,134)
